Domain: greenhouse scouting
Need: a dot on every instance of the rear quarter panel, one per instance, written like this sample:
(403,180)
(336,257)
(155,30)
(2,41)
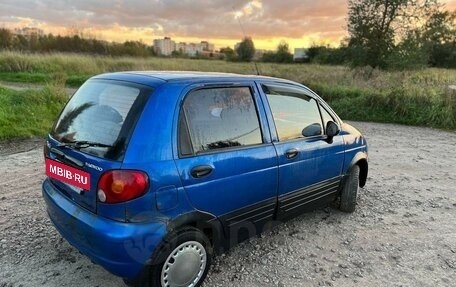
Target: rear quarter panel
(151,150)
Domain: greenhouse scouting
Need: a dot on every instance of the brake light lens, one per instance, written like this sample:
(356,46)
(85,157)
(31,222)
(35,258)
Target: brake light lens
(121,185)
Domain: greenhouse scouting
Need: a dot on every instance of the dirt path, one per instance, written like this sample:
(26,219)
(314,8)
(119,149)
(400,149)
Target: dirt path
(28,86)
(402,234)
(15,146)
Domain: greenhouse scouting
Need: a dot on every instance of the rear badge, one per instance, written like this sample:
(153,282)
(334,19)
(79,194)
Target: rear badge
(93,166)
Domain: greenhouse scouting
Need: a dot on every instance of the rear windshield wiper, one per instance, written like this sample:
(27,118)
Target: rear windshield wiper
(83,144)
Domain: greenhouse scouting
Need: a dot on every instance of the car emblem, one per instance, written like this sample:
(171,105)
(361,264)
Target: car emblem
(96,167)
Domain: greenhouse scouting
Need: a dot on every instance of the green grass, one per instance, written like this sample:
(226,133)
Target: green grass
(73,81)
(431,107)
(29,113)
(25,77)
(418,97)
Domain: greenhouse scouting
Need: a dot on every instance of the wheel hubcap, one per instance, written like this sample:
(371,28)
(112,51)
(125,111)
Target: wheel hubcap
(184,266)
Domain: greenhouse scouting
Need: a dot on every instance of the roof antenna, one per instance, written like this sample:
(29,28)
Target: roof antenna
(243,33)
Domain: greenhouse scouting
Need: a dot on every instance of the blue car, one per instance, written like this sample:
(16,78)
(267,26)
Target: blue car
(150,174)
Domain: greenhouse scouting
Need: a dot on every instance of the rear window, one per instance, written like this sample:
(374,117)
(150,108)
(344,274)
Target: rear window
(102,112)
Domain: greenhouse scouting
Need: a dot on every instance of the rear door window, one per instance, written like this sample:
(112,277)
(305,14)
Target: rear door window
(217,118)
(102,112)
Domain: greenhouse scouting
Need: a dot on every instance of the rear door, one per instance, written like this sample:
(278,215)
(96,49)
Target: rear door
(309,165)
(226,161)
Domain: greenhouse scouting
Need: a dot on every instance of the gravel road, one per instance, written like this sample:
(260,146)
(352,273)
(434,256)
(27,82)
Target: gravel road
(403,232)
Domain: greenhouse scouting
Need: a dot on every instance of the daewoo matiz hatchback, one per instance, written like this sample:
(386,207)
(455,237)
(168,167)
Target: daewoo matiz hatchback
(152,173)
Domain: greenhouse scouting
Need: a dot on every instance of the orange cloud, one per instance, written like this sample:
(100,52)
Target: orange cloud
(299,22)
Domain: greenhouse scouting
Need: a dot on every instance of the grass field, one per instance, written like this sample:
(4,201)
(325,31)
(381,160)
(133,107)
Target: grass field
(419,97)
(29,113)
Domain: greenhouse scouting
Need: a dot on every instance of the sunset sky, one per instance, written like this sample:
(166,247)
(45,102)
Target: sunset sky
(299,22)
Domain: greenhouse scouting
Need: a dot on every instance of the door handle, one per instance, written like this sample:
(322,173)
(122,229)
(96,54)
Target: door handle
(291,153)
(201,171)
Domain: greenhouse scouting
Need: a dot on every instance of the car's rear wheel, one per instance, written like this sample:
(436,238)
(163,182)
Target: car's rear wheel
(182,260)
(349,191)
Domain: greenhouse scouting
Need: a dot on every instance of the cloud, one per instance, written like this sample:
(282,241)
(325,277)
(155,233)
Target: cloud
(200,18)
(249,9)
(203,19)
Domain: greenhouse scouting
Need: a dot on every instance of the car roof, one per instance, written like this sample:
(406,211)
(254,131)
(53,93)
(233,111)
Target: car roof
(154,78)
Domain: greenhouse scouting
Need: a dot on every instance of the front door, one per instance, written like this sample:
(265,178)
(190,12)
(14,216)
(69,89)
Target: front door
(227,163)
(310,165)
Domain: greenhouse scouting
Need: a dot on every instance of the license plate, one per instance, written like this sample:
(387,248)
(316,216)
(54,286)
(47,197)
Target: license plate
(67,174)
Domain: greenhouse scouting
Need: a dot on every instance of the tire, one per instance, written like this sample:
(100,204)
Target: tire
(350,190)
(187,244)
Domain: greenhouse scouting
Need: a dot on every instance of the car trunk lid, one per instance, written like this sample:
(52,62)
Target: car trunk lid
(91,135)
(76,174)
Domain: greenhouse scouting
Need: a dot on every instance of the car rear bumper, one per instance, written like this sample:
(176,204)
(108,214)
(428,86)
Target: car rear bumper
(121,248)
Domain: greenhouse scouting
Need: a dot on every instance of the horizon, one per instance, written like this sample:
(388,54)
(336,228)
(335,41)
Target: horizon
(267,22)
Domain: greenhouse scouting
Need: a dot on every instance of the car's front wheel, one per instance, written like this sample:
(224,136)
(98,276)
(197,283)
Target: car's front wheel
(183,259)
(349,191)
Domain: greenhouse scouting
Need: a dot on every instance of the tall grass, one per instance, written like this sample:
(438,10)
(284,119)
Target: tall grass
(419,97)
(29,113)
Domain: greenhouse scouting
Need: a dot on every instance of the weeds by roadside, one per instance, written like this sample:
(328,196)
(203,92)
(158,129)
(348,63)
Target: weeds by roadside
(30,112)
(419,97)
(428,107)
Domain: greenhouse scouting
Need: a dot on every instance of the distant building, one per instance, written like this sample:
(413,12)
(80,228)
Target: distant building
(300,55)
(28,32)
(192,49)
(180,47)
(206,46)
(164,46)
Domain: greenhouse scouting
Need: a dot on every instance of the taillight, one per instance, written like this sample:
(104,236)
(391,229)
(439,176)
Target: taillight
(121,185)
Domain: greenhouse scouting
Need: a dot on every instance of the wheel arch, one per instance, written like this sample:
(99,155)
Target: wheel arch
(360,159)
(205,222)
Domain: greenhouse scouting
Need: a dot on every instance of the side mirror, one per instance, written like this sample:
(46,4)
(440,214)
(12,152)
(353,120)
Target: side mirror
(332,129)
(312,130)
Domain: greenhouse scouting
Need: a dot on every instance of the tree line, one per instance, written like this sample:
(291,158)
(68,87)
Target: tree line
(385,34)
(400,34)
(71,44)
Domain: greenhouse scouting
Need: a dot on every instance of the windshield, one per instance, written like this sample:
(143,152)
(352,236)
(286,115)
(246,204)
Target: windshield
(102,113)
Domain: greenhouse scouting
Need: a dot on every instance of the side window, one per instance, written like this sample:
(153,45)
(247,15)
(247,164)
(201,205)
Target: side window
(296,114)
(218,118)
